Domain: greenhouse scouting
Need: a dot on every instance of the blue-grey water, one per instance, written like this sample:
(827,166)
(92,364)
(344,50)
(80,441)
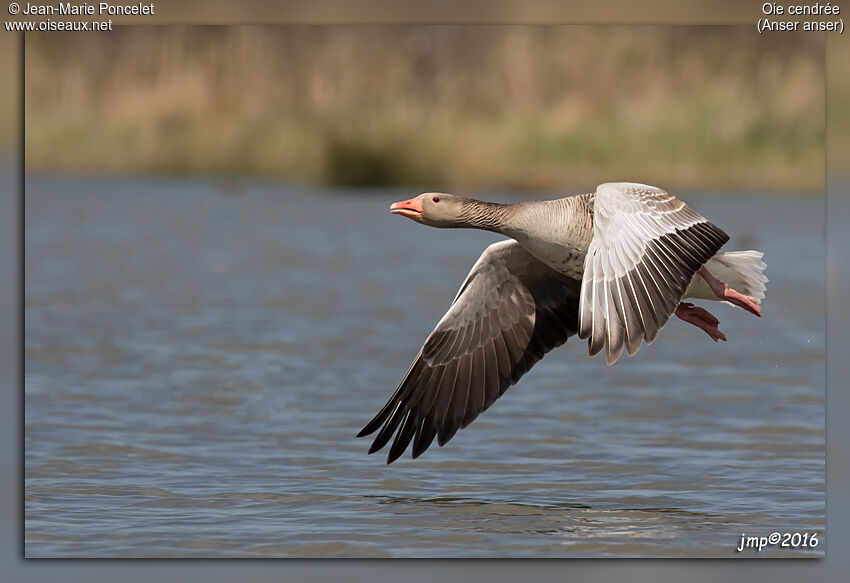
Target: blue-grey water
(199,356)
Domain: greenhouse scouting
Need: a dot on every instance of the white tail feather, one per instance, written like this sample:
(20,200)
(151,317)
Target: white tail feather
(742,270)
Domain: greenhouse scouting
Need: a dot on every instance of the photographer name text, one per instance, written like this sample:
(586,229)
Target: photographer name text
(99,9)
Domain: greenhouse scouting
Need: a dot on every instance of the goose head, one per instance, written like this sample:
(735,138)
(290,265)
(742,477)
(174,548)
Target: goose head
(435,209)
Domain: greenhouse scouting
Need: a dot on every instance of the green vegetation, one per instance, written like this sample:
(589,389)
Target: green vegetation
(467,107)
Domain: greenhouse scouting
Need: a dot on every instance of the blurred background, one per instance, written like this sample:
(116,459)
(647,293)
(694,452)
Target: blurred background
(524,108)
(216,300)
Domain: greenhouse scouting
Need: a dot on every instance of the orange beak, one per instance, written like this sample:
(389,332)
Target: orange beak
(411,208)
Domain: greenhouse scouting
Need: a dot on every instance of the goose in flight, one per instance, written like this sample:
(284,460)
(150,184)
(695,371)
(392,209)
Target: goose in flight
(610,266)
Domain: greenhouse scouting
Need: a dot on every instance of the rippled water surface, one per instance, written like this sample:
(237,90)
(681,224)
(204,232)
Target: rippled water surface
(199,357)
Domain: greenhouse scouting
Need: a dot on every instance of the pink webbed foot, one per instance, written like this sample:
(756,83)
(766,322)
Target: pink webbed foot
(722,290)
(701,319)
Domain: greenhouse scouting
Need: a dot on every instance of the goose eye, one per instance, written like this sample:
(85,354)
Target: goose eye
(436,199)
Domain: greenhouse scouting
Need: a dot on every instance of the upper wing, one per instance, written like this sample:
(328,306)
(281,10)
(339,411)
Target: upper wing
(509,312)
(646,247)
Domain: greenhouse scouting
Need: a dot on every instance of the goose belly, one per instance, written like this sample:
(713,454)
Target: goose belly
(563,258)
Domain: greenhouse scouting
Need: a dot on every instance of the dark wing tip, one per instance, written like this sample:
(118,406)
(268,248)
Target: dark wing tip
(368,430)
(423,439)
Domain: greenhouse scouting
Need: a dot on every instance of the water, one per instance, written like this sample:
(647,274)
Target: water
(199,357)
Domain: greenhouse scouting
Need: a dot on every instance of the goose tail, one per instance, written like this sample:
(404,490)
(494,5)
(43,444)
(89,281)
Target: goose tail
(742,270)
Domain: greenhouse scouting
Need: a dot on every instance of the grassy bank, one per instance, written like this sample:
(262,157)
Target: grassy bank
(438,107)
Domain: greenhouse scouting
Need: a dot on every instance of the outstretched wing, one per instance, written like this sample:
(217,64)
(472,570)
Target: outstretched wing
(646,247)
(510,311)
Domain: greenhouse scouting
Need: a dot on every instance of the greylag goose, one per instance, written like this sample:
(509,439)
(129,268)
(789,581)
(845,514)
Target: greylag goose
(611,266)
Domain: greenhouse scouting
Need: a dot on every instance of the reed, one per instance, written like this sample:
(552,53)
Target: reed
(472,107)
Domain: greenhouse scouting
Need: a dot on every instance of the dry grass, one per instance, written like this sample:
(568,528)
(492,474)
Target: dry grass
(435,106)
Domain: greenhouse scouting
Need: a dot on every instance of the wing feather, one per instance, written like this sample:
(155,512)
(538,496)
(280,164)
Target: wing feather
(511,309)
(646,247)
